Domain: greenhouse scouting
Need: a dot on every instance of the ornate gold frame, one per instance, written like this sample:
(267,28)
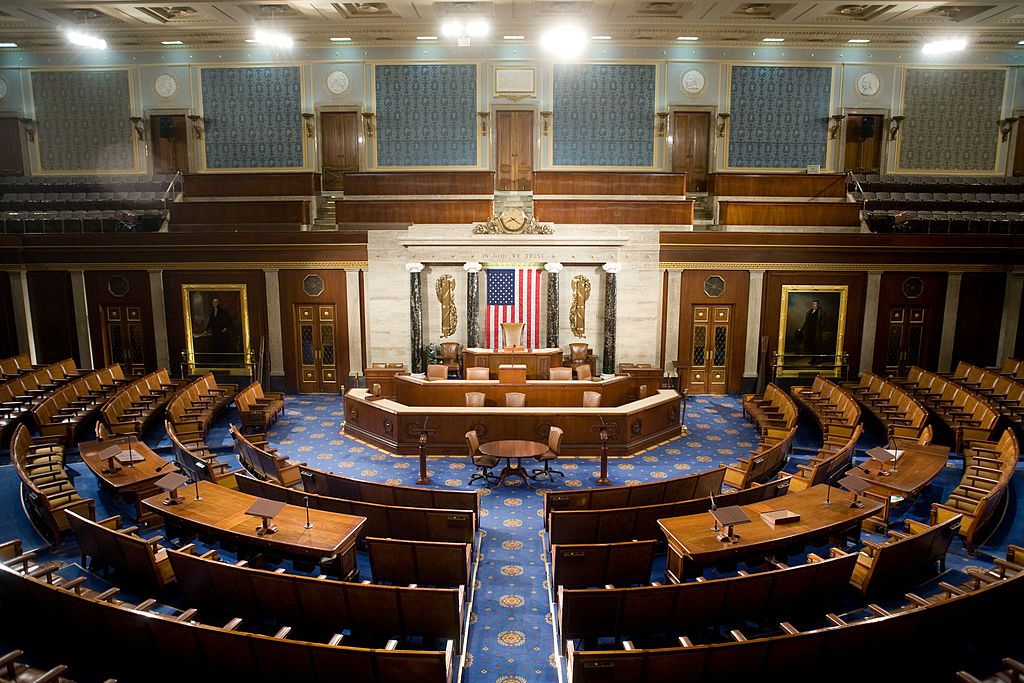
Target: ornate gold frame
(780,355)
(186,309)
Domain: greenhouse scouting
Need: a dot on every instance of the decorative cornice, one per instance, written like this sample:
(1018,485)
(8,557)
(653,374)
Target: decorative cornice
(843,267)
(194,265)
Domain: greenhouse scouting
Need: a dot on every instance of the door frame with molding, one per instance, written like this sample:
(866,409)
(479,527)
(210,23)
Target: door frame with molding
(883,155)
(192,145)
(492,145)
(712,112)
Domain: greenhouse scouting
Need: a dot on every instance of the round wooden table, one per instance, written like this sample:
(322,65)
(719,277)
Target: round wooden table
(513,449)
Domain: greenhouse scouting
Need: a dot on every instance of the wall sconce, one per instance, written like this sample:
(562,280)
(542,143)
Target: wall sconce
(368,123)
(197,126)
(1007,127)
(307,119)
(545,122)
(662,124)
(894,127)
(137,126)
(837,121)
(30,129)
(723,123)
(483,116)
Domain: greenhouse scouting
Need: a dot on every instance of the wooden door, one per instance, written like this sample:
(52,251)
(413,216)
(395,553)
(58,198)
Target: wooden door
(123,340)
(690,138)
(514,142)
(863,143)
(169,135)
(11,160)
(317,348)
(711,336)
(340,149)
(906,343)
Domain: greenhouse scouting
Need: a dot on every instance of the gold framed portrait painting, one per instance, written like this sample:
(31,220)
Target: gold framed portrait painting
(216,327)
(812,319)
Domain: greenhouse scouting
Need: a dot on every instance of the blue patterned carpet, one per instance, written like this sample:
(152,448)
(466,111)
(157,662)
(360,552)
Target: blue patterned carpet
(511,638)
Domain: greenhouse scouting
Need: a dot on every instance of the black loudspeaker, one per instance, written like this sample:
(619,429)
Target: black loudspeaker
(867,127)
(166,127)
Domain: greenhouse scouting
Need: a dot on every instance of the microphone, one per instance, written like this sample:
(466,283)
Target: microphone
(714,506)
(828,482)
(158,469)
(309,525)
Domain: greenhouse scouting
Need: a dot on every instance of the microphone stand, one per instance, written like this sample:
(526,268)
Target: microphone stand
(602,430)
(305,499)
(828,484)
(423,433)
(714,507)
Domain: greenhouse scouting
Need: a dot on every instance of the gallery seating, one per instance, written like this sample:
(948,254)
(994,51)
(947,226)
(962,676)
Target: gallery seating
(424,563)
(832,458)
(575,565)
(903,417)
(63,411)
(265,462)
(109,545)
(15,365)
(988,471)
(774,409)
(195,458)
(1005,394)
(836,412)
(46,489)
(967,414)
(199,402)
(134,405)
(763,462)
(893,565)
(257,408)
(24,387)
(1013,367)
(14,671)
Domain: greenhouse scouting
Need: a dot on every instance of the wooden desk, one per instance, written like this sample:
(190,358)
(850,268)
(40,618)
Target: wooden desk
(513,449)
(915,469)
(134,482)
(221,514)
(537,361)
(692,545)
(385,377)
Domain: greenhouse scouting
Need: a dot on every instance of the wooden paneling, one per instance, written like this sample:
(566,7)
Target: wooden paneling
(1018,349)
(514,149)
(278,214)
(412,391)
(53,316)
(789,213)
(588,211)
(978,318)
(8,331)
(1018,152)
(932,299)
(11,160)
(98,295)
(168,134)
(777,185)
(339,150)
(690,138)
(856,284)
(292,293)
(281,184)
(420,182)
(863,152)
(412,211)
(256,294)
(735,294)
(608,182)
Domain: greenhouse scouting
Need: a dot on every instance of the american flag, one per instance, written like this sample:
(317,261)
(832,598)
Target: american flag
(513,295)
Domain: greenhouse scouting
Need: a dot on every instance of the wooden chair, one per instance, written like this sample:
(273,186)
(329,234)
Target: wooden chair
(424,563)
(109,545)
(580,354)
(475,399)
(555,435)
(451,356)
(478,374)
(896,563)
(560,374)
(263,462)
(583,372)
(591,399)
(196,458)
(515,399)
(601,564)
(257,408)
(436,372)
(484,463)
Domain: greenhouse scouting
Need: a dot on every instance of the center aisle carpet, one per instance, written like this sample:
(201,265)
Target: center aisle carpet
(511,638)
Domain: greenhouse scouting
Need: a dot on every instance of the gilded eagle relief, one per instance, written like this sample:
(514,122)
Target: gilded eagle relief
(578,310)
(445,288)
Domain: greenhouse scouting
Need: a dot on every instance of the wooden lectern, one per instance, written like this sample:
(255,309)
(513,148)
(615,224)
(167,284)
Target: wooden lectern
(512,374)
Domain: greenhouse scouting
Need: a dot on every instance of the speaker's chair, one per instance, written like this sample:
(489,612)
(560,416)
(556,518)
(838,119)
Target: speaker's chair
(513,333)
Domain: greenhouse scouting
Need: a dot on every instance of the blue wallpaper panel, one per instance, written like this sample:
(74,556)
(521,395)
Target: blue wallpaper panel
(603,115)
(253,117)
(952,119)
(82,120)
(779,116)
(426,114)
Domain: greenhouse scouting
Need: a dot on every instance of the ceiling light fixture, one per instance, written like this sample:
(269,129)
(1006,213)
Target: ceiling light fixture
(773,40)
(341,40)
(564,42)
(688,39)
(1020,42)
(8,45)
(85,40)
(171,42)
(465,29)
(858,41)
(600,37)
(514,37)
(941,47)
(273,39)
(426,37)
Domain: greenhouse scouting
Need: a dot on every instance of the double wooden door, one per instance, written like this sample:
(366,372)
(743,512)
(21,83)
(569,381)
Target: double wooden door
(123,337)
(339,154)
(906,342)
(863,148)
(710,336)
(169,136)
(316,336)
(514,142)
(691,134)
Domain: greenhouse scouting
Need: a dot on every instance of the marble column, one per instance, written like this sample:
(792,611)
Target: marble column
(608,358)
(1011,317)
(416,315)
(867,342)
(949,322)
(355,316)
(22,313)
(81,318)
(274,328)
(156,298)
(472,269)
(753,348)
(553,268)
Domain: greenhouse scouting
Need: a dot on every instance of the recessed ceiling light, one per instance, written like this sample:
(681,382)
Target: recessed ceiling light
(251,40)
(773,40)
(341,40)
(600,37)
(524,38)
(688,38)
(85,40)
(426,37)
(565,42)
(941,47)
(171,42)
(273,39)
(8,45)
(1020,42)
(859,41)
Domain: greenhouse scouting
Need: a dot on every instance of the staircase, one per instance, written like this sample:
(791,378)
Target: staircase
(505,200)
(325,219)
(703,213)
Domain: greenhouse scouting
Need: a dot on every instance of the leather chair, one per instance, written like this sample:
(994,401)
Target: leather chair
(437,372)
(513,333)
(475,399)
(451,356)
(554,445)
(591,399)
(561,374)
(580,354)
(514,399)
(483,462)
(583,372)
(477,374)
